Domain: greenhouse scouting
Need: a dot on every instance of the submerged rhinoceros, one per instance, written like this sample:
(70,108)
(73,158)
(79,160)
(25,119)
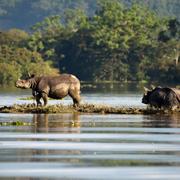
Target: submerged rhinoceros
(56,87)
(162,97)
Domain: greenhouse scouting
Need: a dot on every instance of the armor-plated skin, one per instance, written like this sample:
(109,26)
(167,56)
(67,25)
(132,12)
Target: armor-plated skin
(162,97)
(56,87)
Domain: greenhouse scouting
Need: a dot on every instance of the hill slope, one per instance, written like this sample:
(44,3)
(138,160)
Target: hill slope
(23,14)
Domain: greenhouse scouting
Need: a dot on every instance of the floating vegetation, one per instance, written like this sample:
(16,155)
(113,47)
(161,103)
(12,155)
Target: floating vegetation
(84,108)
(15,123)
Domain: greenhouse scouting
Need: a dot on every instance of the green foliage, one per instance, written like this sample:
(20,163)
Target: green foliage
(115,43)
(17,61)
(45,36)
(9,73)
(13,37)
(161,7)
(75,19)
(24,13)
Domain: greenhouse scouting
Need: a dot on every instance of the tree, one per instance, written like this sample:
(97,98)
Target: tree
(18,62)
(13,37)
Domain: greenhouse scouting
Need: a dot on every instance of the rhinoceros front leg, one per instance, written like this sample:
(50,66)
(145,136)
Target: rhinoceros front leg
(45,98)
(38,97)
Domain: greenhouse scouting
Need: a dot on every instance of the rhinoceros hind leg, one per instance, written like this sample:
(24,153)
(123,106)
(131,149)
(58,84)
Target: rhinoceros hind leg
(76,102)
(76,98)
(173,108)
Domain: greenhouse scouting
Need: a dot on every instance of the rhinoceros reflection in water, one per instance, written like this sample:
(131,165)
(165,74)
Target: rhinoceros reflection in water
(56,87)
(162,97)
(162,120)
(66,123)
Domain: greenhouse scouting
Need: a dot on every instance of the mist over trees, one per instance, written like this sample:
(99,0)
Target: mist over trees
(104,40)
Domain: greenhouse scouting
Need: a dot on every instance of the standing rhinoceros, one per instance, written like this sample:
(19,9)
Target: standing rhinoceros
(56,87)
(162,97)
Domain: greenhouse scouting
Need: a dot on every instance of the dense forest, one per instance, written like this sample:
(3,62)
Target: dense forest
(97,40)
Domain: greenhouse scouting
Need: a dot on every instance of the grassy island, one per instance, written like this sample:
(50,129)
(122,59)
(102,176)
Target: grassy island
(84,108)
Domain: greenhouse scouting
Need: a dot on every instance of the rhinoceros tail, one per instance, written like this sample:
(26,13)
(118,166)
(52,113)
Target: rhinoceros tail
(178,97)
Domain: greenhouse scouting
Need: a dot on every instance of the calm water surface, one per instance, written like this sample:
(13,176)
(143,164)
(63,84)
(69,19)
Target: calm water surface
(90,146)
(116,95)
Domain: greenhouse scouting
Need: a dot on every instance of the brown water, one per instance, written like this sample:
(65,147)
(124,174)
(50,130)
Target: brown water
(90,146)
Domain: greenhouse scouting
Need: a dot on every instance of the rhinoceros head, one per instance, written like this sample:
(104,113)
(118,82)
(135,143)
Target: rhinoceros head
(24,84)
(146,95)
(148,92)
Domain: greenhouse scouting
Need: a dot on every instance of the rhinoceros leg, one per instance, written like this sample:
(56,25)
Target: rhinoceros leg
(173,108)
(45,98)
(38,97)
(75,95)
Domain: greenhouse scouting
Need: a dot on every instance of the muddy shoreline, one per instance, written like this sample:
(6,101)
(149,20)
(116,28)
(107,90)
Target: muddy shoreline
(84,108)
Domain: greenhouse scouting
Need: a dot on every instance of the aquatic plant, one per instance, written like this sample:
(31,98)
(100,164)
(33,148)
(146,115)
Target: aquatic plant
(15,123)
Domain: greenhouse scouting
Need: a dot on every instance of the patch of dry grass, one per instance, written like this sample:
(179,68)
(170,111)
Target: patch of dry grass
(84,108)
(32,108)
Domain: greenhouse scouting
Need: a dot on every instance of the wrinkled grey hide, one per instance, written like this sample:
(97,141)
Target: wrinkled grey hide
(56,87)
(161,97)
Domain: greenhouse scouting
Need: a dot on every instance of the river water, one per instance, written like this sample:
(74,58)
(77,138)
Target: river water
(90,146)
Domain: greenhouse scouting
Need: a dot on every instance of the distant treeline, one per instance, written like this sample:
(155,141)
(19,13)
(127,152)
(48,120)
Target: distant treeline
(115,43)
(24,13)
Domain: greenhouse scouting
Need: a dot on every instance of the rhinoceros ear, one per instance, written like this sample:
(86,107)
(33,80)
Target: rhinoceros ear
(153,87)
(32,75)
(146,90)
(29,75)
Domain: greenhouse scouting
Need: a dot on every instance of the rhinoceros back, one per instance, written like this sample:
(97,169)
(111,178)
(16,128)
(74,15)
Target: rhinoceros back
(58,86)
(177,92)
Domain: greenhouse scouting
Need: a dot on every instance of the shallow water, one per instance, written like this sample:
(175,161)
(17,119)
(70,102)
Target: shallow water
(78,146)
(90,146)
(118,95)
